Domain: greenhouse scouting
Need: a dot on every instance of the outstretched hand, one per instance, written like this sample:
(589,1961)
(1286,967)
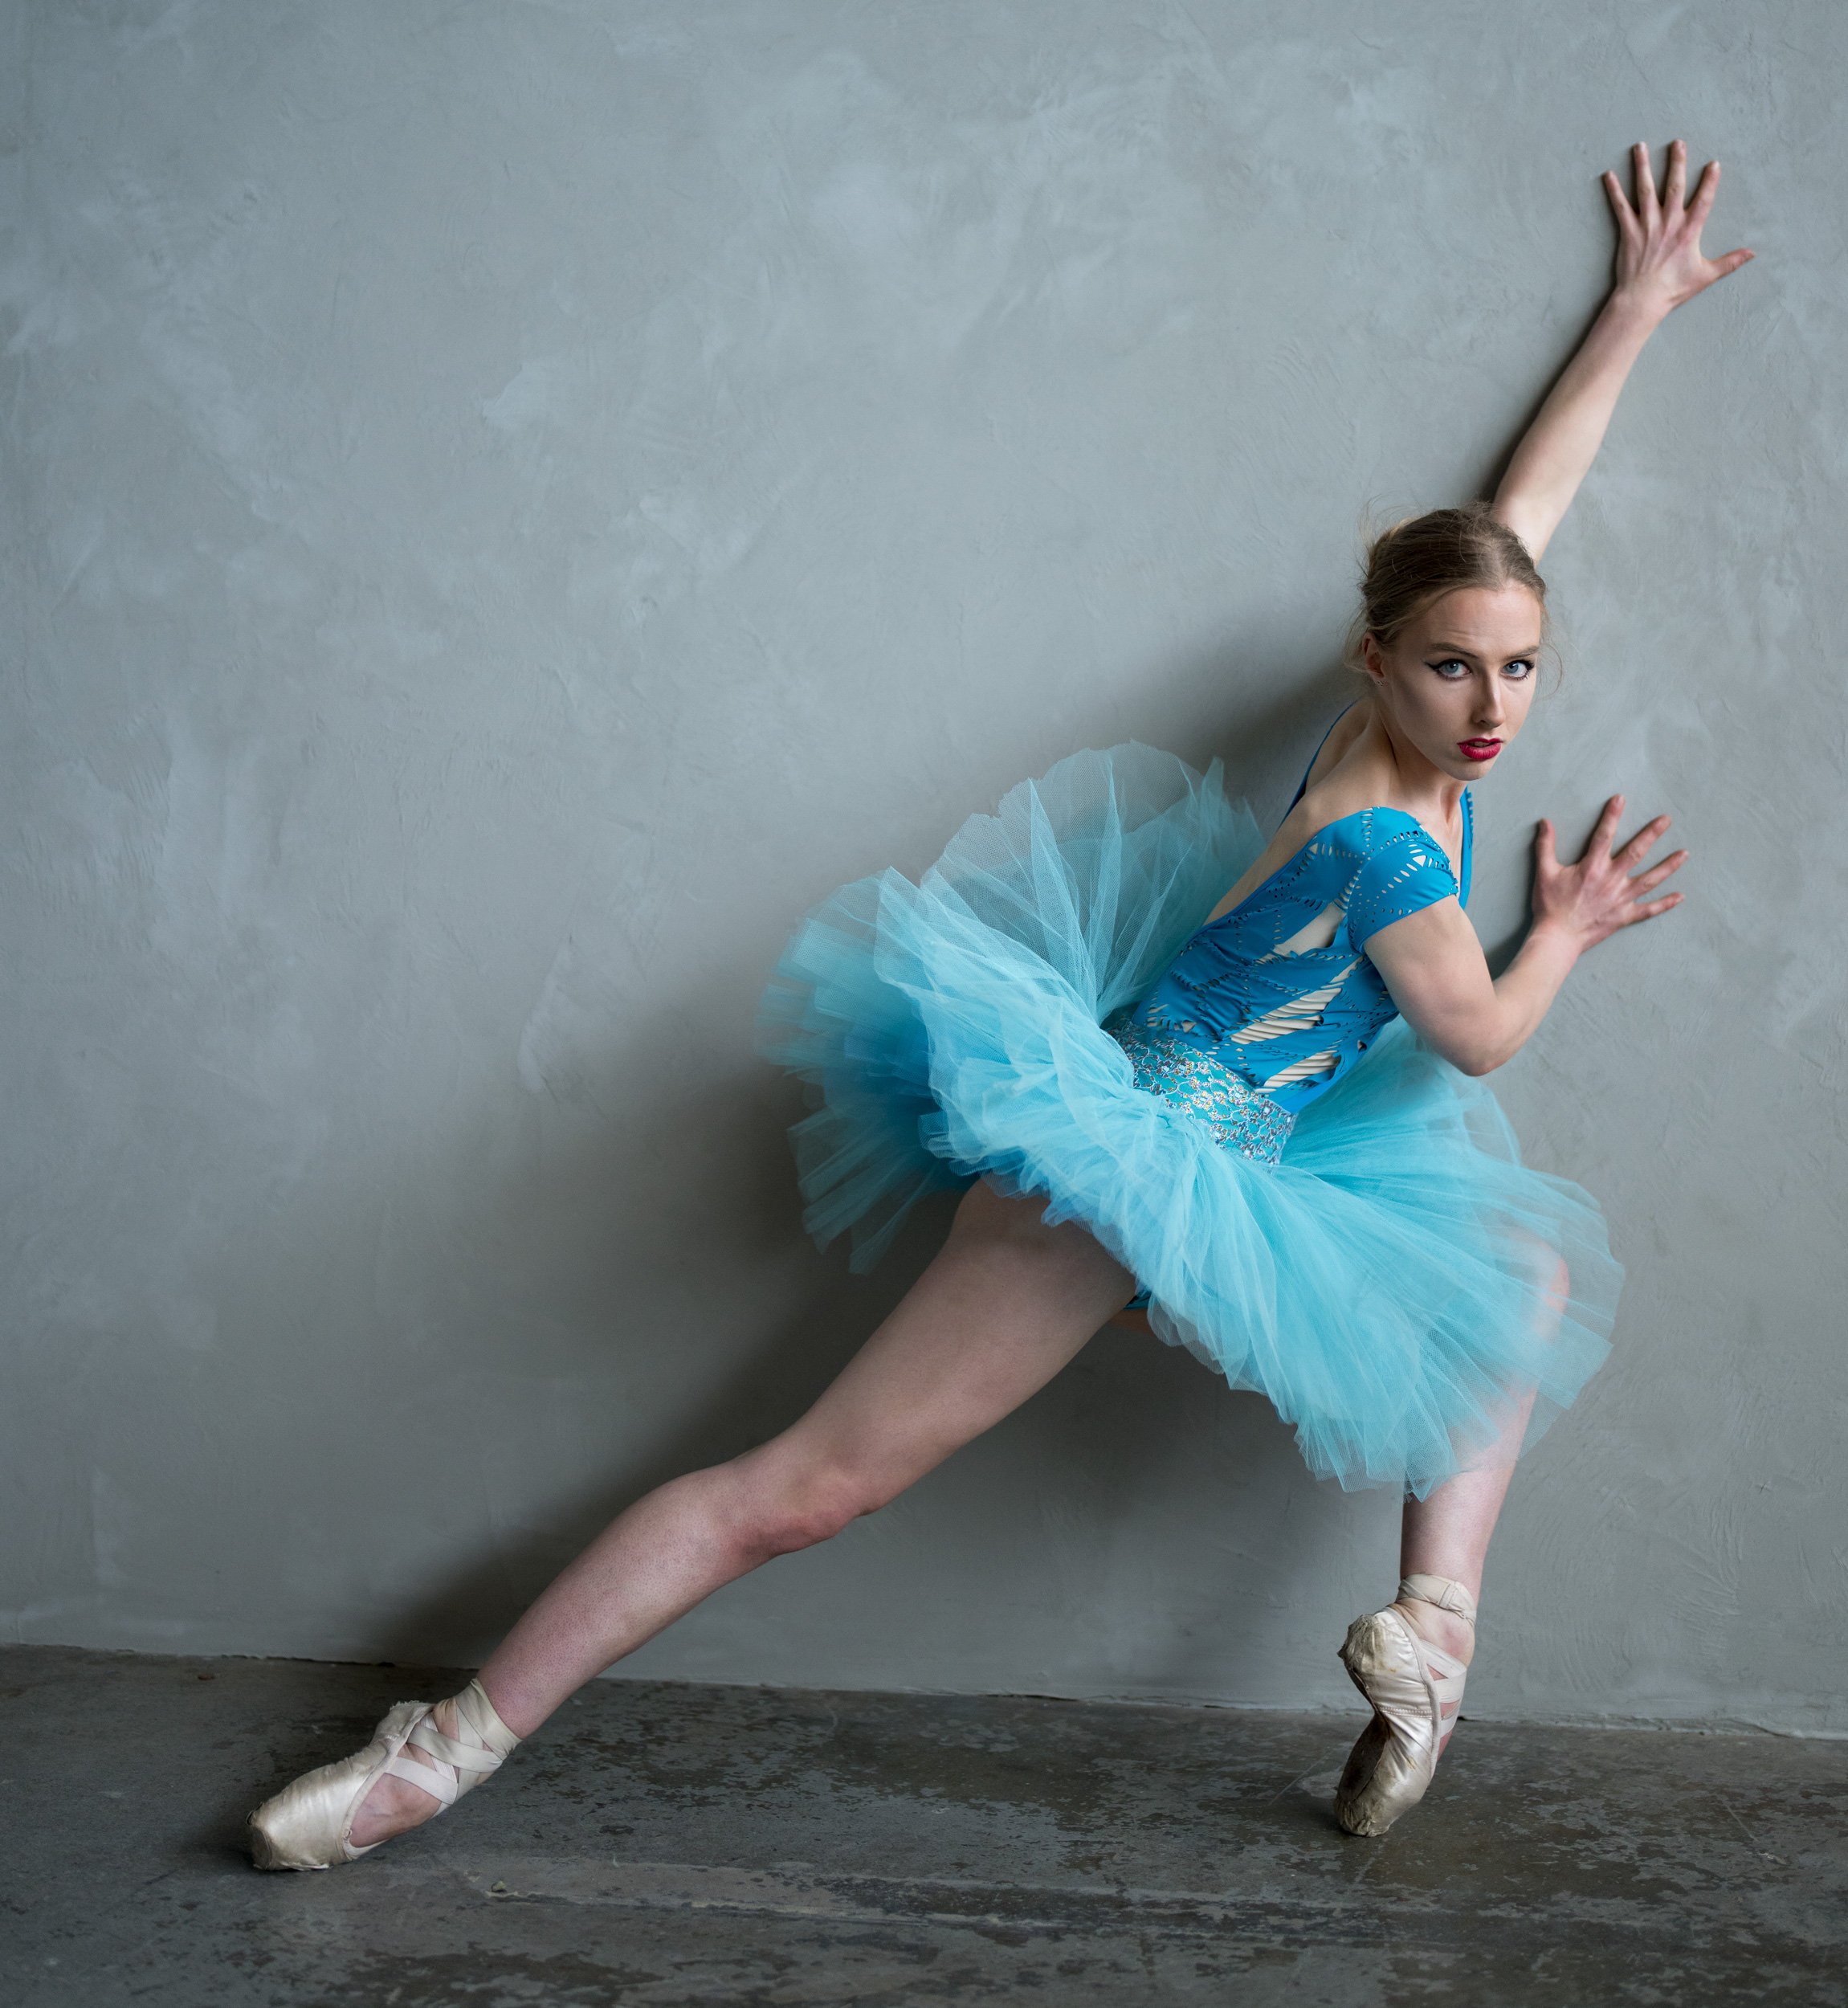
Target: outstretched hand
(1604,891)
(1658,252)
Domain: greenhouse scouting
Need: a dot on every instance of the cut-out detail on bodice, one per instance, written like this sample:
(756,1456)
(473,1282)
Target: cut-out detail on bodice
(1319,933)
(1280,989)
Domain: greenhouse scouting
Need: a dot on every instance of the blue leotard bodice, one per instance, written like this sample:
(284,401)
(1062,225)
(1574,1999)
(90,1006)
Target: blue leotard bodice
(1280,989)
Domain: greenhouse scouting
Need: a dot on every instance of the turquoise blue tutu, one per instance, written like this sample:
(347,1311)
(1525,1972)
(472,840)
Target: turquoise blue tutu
(1393,1286)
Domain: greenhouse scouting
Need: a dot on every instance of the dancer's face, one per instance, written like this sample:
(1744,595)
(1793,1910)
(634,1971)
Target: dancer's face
(1458,682)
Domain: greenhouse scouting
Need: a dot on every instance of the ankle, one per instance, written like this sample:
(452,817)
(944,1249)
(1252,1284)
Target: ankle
(1444,1629)
(442,1716)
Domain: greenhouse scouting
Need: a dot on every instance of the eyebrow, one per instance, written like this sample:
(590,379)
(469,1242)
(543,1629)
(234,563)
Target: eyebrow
(1456,648)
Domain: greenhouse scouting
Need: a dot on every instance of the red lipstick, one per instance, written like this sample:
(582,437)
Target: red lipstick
(1478,748)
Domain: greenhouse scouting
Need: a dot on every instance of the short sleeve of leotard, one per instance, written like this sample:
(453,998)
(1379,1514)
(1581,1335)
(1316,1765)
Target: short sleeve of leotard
(1405,874)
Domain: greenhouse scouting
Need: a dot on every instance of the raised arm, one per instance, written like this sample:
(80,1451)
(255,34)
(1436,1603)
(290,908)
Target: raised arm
(1659,265)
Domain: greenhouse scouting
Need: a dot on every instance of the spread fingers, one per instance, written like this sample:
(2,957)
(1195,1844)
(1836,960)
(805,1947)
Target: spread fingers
(1648,881)
(1647,206)
(1646,839)
(1705,189)
(1619,203)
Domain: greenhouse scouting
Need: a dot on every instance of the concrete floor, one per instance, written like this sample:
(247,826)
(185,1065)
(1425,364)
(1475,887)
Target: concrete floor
(663,1845)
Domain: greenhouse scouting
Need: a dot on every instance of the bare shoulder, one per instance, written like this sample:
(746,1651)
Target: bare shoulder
(1353,771)
(1343,780)
(1343,738)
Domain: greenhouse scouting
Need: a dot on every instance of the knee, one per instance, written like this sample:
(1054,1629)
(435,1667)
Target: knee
(1556,1292)
(802,1509)
(1544,1270)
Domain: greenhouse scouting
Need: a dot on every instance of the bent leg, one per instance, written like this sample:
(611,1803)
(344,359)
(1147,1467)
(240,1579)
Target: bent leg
(1448,1533)
(1003,1306)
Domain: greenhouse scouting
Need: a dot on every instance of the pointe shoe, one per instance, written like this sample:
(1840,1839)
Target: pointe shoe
(1415,1690)
(308,1824)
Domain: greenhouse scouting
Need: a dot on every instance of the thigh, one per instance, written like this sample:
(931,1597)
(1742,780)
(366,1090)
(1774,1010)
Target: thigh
(1003,1306)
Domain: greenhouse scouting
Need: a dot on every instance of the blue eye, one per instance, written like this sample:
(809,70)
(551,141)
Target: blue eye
(1451,670)
(1518,671)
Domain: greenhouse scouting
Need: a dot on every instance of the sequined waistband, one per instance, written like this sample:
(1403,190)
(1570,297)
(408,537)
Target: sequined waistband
(1241,1117)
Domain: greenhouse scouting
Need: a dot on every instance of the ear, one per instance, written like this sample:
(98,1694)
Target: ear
(1372,660)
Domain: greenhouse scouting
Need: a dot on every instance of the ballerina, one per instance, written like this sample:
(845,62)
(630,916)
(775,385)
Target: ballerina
(1223,1090)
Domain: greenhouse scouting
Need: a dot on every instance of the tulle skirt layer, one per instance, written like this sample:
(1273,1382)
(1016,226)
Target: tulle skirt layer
(1410,1297)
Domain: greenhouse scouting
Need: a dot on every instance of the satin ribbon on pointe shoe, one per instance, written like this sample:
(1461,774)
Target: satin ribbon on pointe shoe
(1414,1689)
(308,1824)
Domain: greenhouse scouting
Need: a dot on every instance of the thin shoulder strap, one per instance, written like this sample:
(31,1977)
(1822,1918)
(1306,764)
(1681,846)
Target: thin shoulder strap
(1468,834)
(1303,786)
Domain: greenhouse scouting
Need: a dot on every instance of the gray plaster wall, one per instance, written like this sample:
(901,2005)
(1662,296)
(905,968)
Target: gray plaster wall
(505,506)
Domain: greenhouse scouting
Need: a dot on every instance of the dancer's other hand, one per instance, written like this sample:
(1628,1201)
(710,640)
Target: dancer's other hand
(1658,255)
(1586,902)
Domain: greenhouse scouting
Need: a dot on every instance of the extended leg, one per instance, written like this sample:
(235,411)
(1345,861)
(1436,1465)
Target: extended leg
(1448,1533)
(1003,1306)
